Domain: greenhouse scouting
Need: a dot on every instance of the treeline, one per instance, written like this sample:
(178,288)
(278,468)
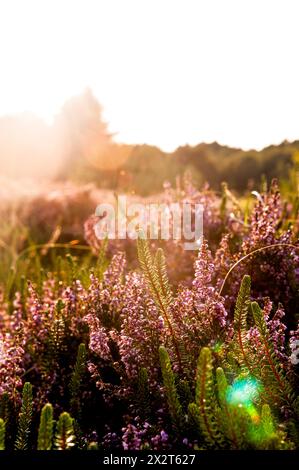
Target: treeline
(146,168)
(93,155)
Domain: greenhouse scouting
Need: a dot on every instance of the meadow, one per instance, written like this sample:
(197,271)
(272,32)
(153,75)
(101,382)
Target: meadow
(139,344)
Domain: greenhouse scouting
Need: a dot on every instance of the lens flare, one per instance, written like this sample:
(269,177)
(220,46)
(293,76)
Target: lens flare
(243,391)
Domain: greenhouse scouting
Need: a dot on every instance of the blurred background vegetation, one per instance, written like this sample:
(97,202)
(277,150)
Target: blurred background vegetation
(78,147)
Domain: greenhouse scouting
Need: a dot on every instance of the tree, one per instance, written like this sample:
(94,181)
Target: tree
(83,133)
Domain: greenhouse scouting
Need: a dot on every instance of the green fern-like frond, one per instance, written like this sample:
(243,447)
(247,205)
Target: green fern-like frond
(56,335)
(267,420)
(160,265)
(166,293)
(194,420)
(45,431)
(232,419)
(205,400)
(174,405)
(267,436)
(148,267)
(2,434)
(65,437)
(25,418)
(272,373)
(76,380)
(222,385)
(160,295)
(240,322)
(143,393)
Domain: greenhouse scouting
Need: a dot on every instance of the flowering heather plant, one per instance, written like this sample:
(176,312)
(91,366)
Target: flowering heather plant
(213,223)
(124,358)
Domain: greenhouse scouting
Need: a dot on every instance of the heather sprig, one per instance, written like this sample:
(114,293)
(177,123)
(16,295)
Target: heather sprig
(25,418)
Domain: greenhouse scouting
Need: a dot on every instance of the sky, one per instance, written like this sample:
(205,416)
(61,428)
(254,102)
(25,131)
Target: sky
(167,72)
